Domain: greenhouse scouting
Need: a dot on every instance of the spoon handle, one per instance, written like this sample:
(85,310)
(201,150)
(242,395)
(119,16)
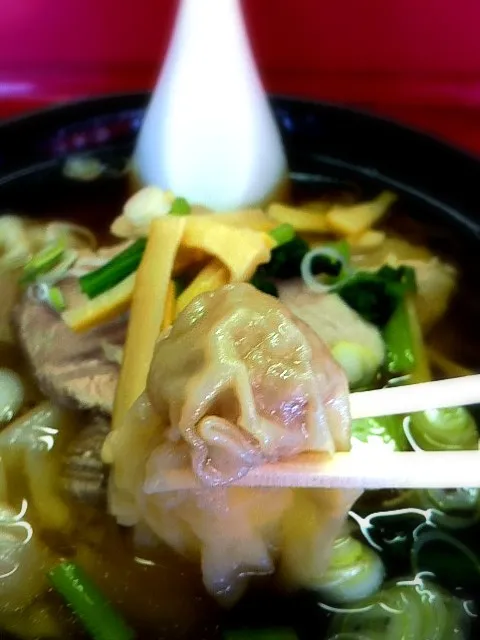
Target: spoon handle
(209,134)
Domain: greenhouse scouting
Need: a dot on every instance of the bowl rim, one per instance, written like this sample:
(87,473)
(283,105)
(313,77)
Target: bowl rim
(65,106)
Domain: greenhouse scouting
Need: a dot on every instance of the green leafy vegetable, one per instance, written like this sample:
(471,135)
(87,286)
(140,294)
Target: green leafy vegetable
(99,618)
(406,353)
(263,283)
(43,261)
(116,270)
(386,432)
(180,207)
(282,234)
(376,295)
(399,342)
(286,260)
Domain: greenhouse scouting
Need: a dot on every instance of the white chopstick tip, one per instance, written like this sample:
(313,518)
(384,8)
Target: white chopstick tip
(440,394)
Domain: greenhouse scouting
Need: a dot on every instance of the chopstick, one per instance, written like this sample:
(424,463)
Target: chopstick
(374,468)
(357,470)
(440,394)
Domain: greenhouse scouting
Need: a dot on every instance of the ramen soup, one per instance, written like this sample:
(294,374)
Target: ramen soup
(183,340)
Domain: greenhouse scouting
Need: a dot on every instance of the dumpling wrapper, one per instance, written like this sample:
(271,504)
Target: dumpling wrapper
(237,382)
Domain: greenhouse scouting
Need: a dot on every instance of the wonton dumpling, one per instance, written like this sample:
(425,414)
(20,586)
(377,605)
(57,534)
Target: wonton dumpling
(243,383)
(236,383)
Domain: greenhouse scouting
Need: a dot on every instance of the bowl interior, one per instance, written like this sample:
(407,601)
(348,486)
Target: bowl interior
(329,147)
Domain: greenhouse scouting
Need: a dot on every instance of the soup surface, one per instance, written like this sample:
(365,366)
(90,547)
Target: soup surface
(403,565)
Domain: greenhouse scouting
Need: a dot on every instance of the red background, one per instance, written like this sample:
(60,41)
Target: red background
(417,60)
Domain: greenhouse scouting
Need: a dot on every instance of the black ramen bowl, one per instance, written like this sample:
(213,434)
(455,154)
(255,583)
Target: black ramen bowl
(329,147)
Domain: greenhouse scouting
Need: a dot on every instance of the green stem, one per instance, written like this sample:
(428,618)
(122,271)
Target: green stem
(116,270)
(98,616)
(406,353)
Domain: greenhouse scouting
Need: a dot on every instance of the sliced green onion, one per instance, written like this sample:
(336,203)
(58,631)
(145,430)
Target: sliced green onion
(45,294)
(43,261)
(413,609)
(98,616)
(451,429)
(76,236)
(260,634)
(116,270)
(451,508)
(336,260)
(56,299)
(355,572)
(180,207)
(60,270)
(448,558)
(359,362)
(282,234)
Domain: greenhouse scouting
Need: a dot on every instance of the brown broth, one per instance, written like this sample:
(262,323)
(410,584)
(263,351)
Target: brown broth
(158,593)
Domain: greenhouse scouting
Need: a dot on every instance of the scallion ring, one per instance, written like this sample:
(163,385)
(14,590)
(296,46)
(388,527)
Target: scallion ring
(75,235)
(60,270)
(312,280)
(52,297)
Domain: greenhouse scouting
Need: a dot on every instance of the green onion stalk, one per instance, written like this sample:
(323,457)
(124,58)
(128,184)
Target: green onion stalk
(406,353)
(87,602)
(43,261)
(433,430)
(413,610)
(117,269)
(355,572)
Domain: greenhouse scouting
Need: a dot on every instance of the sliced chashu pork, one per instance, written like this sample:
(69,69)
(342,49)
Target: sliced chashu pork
(331,318)
(75,369)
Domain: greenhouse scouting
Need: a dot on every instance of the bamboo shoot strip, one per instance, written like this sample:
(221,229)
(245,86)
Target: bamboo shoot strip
(147,311)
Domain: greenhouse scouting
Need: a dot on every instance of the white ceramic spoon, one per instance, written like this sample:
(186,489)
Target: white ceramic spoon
(209,134)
